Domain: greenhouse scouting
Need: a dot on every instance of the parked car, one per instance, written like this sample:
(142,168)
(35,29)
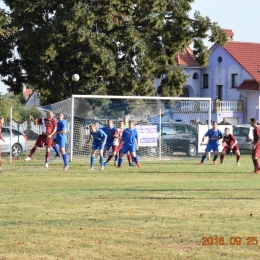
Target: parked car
(19,141)
(244,136)
(176,137)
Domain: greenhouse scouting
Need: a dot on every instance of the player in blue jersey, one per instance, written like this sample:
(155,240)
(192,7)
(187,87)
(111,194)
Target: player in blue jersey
(110,130)
(130,144)
(214,135)
(99,140)
(60,138)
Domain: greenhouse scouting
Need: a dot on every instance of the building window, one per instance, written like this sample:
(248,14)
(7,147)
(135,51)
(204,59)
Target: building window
(195,75)
(205,80)
(234,80)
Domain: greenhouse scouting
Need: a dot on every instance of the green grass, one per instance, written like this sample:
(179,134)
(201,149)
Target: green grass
(160,211)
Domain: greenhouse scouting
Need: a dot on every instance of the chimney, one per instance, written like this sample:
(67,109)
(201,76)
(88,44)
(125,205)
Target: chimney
(24,87)
(229,34)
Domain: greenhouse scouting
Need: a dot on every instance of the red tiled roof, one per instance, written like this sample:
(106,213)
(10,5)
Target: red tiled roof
(247,54)
(249,84)
(229,32)
(186,58)
(27,93)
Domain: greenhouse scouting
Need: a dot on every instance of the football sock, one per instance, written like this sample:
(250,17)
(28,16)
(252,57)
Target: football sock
(256,164)
(129,158)
(92,160)
(215,157)
(135,159)
(203,158)
(109,158)
(47,157)
(120,161)
(55,147)
(221,158)
(116,157)
(32,152)
(238,158)
(65,159)
(101,160)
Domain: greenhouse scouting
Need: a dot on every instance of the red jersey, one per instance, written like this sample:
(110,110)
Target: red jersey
(256,134)
(229,140)
(1,137)
(118,133)
(47,124)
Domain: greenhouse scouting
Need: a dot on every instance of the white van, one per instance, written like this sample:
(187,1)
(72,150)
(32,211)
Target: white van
(244,136)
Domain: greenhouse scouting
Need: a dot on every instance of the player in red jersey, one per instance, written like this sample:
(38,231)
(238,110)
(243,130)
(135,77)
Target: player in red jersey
(1,138)
(49,127)
(117,143)
(230,145)
(256,145)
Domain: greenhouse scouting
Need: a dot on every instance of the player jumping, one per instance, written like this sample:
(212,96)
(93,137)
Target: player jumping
(99,140)
(49,127)
(231,145)
(214,136)
(130,144)
(60,139)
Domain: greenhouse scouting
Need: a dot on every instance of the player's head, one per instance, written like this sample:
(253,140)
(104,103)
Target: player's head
(49,114)
(214,125)
(1,120)
(131,124)
(60,116)
(227,130)
(93,128)
(121,124)
(253,122)
(110,123)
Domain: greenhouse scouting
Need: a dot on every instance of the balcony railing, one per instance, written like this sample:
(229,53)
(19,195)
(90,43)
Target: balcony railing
(217,105)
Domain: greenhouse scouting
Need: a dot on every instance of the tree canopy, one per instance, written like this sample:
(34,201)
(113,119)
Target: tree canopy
(117,47)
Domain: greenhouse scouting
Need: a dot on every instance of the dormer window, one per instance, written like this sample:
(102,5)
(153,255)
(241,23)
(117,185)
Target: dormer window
(234,80)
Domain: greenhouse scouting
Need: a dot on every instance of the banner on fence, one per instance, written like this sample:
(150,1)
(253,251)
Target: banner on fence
(148,135)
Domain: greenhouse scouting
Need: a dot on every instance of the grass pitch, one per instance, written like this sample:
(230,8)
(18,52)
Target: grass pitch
(165,210)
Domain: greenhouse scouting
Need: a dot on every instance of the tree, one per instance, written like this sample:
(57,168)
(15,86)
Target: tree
(117,47)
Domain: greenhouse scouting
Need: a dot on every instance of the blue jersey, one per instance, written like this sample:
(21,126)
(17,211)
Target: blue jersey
(61,126)
(213,134)
(98,136)
(110,133)
(129,136)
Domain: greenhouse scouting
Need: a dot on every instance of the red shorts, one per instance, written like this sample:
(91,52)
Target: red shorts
(43,140)
(228,149)
(256,152)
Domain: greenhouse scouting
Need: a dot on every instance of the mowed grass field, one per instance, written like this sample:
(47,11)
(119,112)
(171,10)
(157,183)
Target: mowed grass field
(161,211)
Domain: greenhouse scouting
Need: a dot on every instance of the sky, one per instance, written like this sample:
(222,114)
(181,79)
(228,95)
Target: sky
(242,16)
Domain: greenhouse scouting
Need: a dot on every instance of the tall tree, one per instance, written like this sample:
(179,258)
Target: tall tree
(117,47)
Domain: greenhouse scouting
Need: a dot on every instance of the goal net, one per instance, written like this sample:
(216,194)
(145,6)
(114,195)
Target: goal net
(167,127)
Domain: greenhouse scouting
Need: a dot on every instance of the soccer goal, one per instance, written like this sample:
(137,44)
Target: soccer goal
(167,127)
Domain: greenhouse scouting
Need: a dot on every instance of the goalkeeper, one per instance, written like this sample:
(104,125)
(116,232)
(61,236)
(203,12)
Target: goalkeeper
(214,136)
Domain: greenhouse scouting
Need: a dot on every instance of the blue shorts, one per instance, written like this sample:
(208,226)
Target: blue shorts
(108,145)
(61,141)
(126,149)
(98,146)
(211,146)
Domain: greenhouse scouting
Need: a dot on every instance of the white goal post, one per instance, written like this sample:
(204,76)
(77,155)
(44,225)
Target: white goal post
(168,126)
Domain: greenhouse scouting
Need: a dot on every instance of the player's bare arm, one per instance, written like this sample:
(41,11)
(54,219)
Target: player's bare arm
(202,141)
